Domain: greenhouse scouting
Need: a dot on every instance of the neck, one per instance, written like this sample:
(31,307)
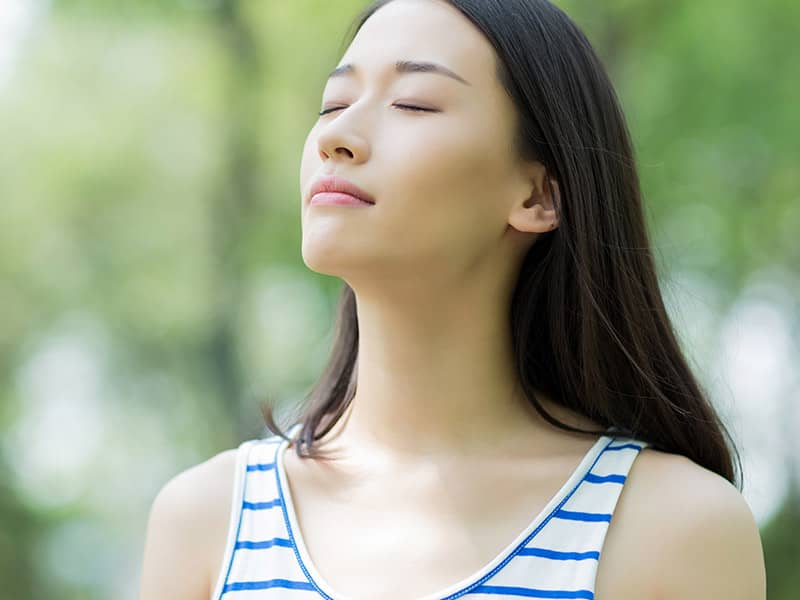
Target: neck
(437,381)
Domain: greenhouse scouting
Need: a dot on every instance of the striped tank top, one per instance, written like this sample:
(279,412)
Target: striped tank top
(556,556)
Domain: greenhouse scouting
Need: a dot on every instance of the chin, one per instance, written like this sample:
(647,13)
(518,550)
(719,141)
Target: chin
(326,260)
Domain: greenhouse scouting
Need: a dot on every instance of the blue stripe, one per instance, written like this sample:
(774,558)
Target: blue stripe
(272,583)
(582,516)
(261,505)
(623,447)
(592,478)
(264,544)
(238,525)
(261,467)
(502,590)
(558,555)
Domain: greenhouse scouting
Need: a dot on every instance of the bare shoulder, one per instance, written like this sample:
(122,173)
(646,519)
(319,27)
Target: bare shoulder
(680,531)
(187,530)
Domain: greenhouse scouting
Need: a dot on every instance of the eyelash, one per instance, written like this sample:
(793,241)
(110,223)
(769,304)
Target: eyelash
(407,107)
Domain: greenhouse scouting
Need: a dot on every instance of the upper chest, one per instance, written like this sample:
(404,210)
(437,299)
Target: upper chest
(413,535)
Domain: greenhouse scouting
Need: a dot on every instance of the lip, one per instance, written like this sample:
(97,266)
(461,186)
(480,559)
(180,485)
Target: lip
(337,199)
(336,190)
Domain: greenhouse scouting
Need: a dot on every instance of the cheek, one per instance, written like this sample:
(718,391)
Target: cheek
(458,171)
(442,196)
(453,158)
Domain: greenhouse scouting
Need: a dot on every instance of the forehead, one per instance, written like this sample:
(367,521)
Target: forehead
(425,31)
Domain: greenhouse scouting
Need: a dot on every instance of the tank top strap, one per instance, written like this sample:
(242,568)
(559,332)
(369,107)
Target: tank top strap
(256,525)
(561,556)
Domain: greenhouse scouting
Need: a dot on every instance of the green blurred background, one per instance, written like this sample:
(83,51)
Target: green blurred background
(152,290)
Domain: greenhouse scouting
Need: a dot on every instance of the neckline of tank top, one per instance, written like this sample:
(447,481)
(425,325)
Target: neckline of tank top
(458,588)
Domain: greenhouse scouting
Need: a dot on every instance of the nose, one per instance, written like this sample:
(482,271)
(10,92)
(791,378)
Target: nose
(334,143)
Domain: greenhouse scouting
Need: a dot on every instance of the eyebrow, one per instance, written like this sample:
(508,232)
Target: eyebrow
(405,66)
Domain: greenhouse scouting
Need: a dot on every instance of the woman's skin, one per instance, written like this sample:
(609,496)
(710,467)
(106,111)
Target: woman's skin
(433,264)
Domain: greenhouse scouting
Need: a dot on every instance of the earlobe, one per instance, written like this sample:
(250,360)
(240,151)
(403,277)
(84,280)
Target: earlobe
(538,213)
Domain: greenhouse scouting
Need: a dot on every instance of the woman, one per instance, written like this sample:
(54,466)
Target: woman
(504,367)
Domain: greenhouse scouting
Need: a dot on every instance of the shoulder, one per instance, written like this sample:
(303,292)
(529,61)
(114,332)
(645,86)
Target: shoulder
(680,531)
(187,531)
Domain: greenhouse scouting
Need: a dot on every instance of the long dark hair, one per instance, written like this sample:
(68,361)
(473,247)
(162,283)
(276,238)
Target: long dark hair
(589,325)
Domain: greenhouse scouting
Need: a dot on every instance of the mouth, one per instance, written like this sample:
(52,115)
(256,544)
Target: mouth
(333,189)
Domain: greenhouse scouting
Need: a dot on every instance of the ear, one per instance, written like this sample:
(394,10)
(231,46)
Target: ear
(536,212)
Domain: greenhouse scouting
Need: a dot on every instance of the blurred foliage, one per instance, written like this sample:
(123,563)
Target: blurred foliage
(18,532)
(151,281)
(782,549)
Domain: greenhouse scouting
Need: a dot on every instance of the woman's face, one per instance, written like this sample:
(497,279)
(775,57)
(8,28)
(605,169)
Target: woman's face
(443,181)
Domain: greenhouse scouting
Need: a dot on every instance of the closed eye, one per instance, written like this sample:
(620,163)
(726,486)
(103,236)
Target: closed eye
(407,107)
